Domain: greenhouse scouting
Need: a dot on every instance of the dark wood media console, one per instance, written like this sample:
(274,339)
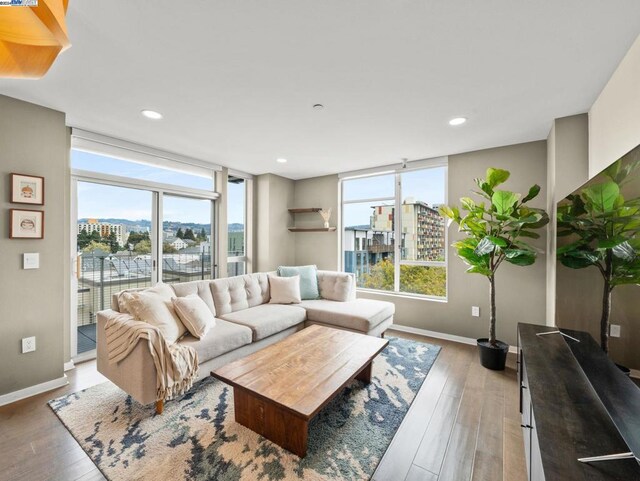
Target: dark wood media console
(575,403)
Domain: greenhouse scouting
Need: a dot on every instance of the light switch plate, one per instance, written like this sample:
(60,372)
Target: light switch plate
(28,344)
(614,330)
(475,311)
(31,260)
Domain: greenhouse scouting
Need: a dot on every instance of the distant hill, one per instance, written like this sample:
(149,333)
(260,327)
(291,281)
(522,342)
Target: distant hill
(143,224)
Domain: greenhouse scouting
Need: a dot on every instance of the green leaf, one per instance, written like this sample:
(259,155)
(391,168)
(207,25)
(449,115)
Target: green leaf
(446,211)
(499,241)
(520,257)
(531,235)
(503,201)
(602,197)
(485,246)
(468,203)
(624,251)
(485,271)
(496,177)
(533,193)
(608,243)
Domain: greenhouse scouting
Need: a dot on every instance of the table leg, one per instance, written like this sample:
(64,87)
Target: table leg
(365,374)
(271,421)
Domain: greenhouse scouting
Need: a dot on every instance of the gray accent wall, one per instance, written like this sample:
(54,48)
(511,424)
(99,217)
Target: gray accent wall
(567,169)
(275,245)
(320,248)
(34,140)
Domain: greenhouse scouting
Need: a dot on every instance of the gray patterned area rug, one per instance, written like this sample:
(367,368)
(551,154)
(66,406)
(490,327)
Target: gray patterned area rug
(197,438)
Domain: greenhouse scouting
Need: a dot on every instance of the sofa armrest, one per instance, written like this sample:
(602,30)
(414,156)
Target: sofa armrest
(136,374)
(337,286)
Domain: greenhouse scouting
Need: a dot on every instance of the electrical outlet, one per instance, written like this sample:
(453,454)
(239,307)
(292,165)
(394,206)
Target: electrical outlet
(28,344)
(475,311)
(614,330)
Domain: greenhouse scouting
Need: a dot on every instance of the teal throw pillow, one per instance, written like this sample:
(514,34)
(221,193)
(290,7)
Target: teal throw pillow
(308,279)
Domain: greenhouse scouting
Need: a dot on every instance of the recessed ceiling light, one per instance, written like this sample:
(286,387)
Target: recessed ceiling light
(318,106)
(151,114)
(458,121)
(281,161)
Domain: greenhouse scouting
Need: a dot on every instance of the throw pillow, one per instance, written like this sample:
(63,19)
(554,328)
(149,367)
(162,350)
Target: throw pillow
(155,307)
(284,290)
(308,279)
(194,314)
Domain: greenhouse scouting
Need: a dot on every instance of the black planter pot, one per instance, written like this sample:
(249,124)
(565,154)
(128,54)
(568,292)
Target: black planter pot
(493,357)
(624,369)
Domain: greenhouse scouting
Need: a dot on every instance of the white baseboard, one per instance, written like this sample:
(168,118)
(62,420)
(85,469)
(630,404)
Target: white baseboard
(440,335)
(68,366)
(33,390)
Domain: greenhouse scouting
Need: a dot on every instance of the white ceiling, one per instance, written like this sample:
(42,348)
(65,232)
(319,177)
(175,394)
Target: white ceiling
(236,80)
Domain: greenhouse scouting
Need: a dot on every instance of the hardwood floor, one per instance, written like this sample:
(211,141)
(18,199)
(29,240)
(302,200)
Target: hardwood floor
(463,425)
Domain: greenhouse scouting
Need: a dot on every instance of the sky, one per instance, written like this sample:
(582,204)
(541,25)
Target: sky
(426,185)
(104,201)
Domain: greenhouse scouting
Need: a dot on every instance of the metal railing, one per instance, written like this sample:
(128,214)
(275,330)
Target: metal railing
(101,276)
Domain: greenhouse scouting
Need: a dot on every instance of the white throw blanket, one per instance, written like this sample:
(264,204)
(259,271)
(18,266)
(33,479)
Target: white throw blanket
(176,365)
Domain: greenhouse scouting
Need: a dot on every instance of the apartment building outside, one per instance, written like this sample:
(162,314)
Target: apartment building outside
(104,229)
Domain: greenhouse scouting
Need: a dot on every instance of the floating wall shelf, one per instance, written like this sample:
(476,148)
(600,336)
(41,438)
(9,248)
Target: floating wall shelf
(309,210)
(305,210)
(312,229)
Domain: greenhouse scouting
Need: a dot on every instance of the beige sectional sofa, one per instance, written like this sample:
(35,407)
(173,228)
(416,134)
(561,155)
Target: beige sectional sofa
(245,323)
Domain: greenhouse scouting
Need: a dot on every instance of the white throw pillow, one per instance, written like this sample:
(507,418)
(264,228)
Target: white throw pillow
(194,314)
(155,307)
(284,290)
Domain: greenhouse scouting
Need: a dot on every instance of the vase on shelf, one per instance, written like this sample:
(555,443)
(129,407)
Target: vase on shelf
(326,215)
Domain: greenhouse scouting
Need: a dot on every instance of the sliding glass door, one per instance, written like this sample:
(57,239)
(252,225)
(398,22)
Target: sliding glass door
(115,245)
(187,240)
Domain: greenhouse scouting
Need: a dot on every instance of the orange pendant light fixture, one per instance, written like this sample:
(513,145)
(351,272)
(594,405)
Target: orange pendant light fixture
(31,38)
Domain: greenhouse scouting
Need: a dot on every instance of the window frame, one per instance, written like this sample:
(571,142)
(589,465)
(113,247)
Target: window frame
(397,171)
(133,153)
(247,198)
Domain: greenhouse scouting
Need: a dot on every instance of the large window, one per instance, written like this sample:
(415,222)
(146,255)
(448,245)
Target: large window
(236,222)
(136,224)
(394,238)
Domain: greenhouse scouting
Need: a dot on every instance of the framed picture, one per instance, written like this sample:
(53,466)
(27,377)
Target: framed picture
(26,224)
(27,189)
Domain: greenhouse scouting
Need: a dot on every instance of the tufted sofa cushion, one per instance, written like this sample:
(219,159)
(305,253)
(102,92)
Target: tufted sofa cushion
(201,288)
(233,294)
(336,286)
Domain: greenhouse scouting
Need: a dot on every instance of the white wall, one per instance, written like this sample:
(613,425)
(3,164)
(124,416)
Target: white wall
(614,118)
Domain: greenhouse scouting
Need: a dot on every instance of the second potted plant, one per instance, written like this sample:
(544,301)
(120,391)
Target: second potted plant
(495,229)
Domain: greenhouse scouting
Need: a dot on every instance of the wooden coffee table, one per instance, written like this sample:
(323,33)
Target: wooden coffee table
(280,388)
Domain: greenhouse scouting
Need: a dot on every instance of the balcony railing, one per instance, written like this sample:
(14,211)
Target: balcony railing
(380,248)
(101,276)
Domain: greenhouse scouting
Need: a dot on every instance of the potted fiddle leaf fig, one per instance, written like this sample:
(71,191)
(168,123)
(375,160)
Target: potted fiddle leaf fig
(495,230)
(605,231)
